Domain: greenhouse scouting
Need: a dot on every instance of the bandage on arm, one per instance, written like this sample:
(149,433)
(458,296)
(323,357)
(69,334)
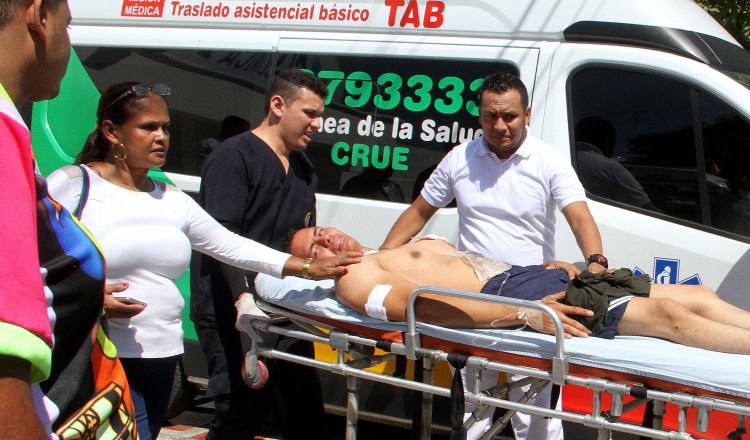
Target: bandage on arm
(534,318)
(375,306)
(531,317)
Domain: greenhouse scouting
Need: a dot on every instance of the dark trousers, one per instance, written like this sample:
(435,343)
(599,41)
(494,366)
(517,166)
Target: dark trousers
(150,381)
(292,393)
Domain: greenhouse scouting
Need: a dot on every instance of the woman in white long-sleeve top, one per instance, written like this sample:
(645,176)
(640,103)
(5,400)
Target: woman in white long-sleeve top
(146,230)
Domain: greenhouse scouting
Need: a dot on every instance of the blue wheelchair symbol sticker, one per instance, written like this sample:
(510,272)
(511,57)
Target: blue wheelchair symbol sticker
(667,271)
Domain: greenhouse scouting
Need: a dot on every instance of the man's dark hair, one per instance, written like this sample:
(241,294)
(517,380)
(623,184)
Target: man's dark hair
(8,8)
(286,245)
(288,84)
(501,82)
(233,125)
(598,132)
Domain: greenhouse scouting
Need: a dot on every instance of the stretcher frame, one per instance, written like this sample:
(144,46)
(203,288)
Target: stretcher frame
(354,345)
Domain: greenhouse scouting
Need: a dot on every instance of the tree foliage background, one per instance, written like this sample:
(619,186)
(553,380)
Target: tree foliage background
(733,15)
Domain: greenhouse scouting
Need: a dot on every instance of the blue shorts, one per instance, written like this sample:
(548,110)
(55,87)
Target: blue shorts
(533,283)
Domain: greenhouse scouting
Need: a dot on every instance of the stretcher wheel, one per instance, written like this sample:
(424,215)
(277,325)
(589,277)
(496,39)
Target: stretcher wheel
(255,375)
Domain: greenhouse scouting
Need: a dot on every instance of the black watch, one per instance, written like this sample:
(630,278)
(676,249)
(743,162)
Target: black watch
(598,258)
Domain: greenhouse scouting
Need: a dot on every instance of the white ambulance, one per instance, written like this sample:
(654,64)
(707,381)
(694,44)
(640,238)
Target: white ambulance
(403,75)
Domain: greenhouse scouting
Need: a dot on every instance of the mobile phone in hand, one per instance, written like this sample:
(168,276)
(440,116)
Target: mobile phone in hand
(129,301)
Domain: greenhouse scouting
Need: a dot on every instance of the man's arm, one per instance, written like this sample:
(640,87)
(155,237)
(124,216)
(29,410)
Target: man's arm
(570,269)
(585,230)
(18,416)
(235,278)
(354,288)
(411,221)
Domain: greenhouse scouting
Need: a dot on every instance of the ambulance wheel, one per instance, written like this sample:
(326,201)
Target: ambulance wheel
(183,393)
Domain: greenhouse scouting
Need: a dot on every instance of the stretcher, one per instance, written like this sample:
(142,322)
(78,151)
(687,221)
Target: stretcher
(621,375)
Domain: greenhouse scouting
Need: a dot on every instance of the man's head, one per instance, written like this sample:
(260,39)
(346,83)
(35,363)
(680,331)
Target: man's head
(319,242)
(35,45)
(598,132)
(232,126)
(8,9)
(503,112)
(294,105)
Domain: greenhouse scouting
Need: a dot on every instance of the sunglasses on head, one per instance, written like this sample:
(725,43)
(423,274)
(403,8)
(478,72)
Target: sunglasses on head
(141,90)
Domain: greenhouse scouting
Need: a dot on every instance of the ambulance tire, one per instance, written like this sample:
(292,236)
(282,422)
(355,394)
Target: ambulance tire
(183,394)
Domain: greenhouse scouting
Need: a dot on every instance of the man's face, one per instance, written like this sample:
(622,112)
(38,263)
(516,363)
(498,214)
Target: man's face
(317,242)
(503,120)
(56,51)
(300,119)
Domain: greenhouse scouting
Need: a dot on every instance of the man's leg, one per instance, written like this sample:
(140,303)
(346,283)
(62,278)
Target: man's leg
(239,412)
(534,427)
(297,393)
(524,426)
(704,302)
(668,319)
(488,379)
(237,415)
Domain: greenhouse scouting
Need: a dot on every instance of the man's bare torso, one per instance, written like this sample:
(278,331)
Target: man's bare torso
(428,262)
(425,262)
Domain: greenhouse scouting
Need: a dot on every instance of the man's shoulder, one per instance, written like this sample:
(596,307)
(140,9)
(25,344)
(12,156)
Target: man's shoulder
(537,144)
(360,276)
(245,142)
(596,161)
(465,152)
(245,148)
(470,147)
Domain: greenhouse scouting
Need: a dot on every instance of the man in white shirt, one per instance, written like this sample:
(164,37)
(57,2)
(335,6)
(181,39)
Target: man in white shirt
(507,185)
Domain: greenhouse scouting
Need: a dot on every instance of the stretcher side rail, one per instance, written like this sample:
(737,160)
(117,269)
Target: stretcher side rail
(402,349)
(342,340)
(560,359)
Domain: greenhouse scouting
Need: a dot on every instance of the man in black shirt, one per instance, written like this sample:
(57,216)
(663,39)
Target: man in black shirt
(260,185)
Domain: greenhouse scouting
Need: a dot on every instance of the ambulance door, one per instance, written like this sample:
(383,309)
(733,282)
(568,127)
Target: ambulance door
(394,109)
(673,202)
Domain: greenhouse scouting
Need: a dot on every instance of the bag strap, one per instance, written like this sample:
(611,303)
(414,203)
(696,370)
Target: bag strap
(84,192)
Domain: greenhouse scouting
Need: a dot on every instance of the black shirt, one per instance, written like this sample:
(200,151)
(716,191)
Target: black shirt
(245,188)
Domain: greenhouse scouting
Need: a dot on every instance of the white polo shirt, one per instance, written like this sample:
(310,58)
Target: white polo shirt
(507,207)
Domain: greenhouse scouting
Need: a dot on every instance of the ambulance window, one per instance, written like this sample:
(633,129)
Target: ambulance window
(389,121)
(659,144)
(726,144)
(208,87)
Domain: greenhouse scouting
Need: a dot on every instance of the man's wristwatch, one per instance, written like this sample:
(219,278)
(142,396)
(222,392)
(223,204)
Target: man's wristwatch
(598,258)
(306,268)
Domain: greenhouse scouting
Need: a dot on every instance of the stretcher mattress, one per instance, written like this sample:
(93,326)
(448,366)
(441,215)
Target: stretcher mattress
(671,365)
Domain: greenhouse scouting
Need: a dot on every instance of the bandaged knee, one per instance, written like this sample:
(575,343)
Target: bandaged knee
(375,306)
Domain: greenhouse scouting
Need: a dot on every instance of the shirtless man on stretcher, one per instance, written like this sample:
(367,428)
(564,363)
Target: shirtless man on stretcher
(380,285)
